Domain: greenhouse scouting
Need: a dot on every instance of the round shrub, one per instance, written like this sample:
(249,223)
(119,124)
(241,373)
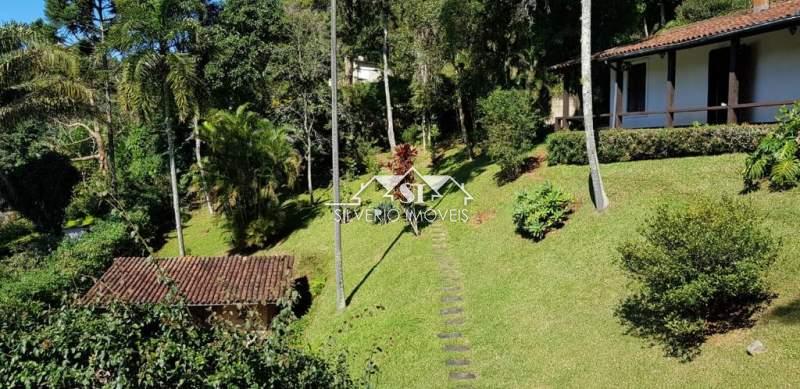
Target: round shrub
(511,123)
(539,211)
(700,269)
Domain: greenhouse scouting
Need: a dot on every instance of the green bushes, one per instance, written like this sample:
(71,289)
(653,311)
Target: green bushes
(699,269)
(539,211)
(695,10)
(511,124)
(60,272)
(154,347)
(777,158)
(632,145)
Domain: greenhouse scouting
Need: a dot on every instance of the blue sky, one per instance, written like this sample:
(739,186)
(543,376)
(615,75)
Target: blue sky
(21,10)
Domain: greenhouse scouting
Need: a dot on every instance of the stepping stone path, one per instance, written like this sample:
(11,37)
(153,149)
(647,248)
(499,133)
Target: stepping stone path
(454,342)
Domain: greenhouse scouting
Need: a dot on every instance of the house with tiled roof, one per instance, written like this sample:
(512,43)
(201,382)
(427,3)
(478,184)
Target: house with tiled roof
(735,68)
(227,286)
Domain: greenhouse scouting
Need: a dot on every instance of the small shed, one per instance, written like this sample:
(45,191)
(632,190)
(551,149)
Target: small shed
(228,286)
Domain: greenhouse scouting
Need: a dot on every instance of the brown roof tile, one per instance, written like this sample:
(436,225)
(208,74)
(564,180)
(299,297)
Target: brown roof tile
(201,280)
(778,12)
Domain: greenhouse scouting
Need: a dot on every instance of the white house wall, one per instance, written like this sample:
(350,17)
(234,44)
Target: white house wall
(777,70)
(776,63)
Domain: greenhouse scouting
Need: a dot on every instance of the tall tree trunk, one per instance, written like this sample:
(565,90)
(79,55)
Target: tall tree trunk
(425,131)
(598,191)
(173,171)
(341,304)
(110,161)
(389,117)
(309,161)
(198,145)
(462,122)
(430,137)
(348,70)
(173,180)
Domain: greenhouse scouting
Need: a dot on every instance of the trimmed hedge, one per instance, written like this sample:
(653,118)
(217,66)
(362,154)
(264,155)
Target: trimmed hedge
(569,148)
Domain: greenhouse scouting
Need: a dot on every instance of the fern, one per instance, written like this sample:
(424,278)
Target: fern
(777,158)
(785,173)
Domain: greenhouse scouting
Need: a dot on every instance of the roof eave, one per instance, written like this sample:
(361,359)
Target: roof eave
(749,31)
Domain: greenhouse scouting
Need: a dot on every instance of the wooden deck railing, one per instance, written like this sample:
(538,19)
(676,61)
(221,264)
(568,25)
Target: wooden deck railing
(563,122)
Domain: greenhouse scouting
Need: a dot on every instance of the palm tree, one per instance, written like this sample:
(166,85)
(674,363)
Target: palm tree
(598,191)
(252,166)
(38,80)
(158,77)
(341,304)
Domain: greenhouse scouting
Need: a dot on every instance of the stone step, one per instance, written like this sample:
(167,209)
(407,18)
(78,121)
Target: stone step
(460,375)
(452,310)
(456,348)
(457,362)
(455,322)
(449,335)
(451,299)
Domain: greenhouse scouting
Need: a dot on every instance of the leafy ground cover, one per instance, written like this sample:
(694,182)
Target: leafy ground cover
(540,314)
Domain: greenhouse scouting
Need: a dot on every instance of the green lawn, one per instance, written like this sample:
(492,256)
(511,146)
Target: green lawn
(540,314)
(202,235)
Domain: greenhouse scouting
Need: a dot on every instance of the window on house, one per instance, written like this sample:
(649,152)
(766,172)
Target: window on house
(637,82)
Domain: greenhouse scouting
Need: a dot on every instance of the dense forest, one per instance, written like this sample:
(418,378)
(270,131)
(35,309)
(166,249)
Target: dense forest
(119,117)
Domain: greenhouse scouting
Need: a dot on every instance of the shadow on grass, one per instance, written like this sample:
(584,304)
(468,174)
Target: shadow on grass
(681,335)
(530,164)
(788,313)
(375,266)
(460,167)
(299,214)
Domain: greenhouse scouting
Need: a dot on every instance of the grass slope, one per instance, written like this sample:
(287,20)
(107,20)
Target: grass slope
(540,314)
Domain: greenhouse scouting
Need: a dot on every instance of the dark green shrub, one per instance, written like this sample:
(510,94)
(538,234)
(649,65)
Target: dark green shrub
(569,148)
(511,123)
(539,211)
(41,189)
(777,157)
(360,157)
(364,111)
(411,134)
(699,269)
(384,213)
(155,347)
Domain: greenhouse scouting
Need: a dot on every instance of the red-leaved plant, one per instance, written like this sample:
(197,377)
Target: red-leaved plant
(402,161)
